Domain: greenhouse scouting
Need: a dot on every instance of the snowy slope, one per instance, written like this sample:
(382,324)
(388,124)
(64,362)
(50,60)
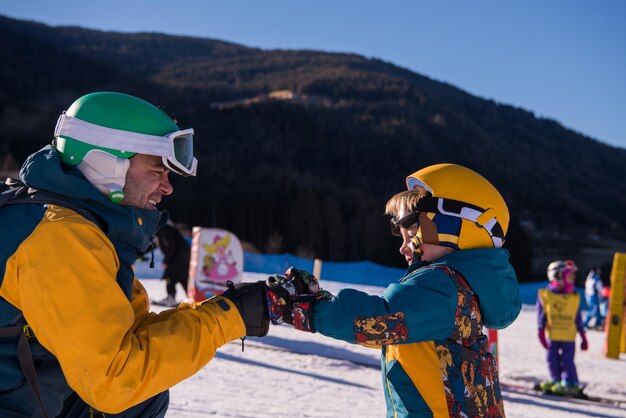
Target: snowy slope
(295,374)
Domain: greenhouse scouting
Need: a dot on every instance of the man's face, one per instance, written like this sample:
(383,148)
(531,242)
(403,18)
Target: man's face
(146,182)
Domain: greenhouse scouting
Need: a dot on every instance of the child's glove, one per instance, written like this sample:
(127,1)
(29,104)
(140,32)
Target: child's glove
(304,282)
(291,298)
(542,338)
(584,345)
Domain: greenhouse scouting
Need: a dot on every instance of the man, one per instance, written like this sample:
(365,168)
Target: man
(89,342)
(176,255)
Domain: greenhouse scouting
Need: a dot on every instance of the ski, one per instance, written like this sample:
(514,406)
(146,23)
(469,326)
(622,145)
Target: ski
(535,390)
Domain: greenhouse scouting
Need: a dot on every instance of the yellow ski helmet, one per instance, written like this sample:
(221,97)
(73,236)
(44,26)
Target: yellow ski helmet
(467,210)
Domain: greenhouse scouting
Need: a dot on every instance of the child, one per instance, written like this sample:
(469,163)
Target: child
(435,360)
(558,313)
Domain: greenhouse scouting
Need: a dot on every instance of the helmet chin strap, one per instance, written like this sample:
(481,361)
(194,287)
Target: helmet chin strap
(106,173)
(416,246)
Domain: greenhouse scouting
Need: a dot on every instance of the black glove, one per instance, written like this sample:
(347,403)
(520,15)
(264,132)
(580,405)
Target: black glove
(249,298)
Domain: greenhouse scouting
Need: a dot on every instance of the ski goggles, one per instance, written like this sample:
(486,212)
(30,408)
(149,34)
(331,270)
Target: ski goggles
(449,207)
(405,222)
(175,148)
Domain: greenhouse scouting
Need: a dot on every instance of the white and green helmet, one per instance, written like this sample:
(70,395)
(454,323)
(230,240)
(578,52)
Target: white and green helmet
(101,131)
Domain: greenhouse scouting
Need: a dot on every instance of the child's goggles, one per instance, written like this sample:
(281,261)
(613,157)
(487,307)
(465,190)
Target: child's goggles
(405,222)
(175,148)
(449,207)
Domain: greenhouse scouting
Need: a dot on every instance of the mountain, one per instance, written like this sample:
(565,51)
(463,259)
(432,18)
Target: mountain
(299,150)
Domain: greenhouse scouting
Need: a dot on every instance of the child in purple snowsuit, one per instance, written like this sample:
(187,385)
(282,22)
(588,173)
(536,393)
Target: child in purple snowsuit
(558,313)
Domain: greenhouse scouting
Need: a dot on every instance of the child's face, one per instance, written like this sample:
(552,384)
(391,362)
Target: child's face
(570,277)
(407,249)
(429,252)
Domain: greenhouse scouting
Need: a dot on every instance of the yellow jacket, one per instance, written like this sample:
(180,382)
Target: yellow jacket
(114,352)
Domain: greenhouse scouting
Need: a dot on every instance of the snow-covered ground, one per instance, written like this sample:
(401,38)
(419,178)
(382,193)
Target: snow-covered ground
(295,374)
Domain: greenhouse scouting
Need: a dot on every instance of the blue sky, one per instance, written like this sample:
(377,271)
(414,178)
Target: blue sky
(560,59)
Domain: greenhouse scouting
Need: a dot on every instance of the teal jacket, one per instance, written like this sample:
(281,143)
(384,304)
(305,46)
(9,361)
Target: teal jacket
(428,326)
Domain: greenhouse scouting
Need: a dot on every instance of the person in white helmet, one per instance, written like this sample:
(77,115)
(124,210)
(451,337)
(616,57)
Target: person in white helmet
(558,316)
(76,334)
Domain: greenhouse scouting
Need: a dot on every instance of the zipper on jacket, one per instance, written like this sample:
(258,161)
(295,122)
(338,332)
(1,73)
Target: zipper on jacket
(390,394)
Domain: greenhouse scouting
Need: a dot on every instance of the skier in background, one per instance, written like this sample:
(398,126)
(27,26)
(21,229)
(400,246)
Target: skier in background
(429,326)
(593,296)
(558,315)
(604,302)
(176,254)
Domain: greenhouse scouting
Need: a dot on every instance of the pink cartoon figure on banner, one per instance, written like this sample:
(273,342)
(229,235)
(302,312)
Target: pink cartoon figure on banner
(216,258)
(218,264)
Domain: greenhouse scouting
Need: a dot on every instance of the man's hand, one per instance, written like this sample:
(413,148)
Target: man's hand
(249,298)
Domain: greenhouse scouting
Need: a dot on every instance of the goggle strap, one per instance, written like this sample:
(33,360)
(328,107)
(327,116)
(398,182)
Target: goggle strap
(125,141)
(463,210)
(104,137)
(457,209)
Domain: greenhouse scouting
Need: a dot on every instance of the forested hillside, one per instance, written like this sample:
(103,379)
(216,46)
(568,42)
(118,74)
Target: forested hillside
(308,170)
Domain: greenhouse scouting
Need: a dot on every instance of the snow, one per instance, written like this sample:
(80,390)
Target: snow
(295,374)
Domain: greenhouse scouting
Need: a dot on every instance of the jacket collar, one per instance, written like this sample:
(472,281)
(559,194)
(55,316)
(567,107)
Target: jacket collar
(132,227)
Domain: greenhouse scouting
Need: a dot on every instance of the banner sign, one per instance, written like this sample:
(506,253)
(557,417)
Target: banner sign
(216,258)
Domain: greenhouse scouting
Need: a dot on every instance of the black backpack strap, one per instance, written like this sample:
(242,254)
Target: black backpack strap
(25,357)
(13,192)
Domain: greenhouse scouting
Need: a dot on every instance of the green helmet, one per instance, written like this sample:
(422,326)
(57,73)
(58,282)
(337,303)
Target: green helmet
(102,129)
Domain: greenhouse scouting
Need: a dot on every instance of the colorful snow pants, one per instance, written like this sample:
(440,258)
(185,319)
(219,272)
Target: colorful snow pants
(560,356)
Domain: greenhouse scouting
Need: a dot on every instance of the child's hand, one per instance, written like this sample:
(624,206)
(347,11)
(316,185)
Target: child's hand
(286,305)
(305,282)
(291,298)
(542,338)
(584,345)
(300,282)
